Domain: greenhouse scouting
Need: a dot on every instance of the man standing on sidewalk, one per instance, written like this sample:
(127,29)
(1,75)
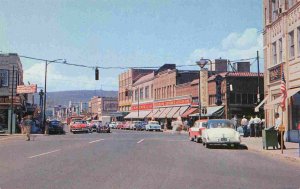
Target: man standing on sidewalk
(277,124)
(244,124)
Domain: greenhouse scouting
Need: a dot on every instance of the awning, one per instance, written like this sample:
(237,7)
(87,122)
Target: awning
(180,111)
(131,115)
(138,114)
(188,112)
(290,93)
(157,114)
(216,111)
(164,113)
(173,111)
(260,104)
(154,111)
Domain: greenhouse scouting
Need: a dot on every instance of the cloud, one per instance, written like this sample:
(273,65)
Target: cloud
(234,46)
(57,81)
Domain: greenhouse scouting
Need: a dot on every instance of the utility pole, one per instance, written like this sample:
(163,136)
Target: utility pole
(12,100)
(45,99)
(258,78)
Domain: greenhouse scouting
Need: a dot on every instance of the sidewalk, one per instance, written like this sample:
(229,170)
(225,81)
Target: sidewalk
(291,152)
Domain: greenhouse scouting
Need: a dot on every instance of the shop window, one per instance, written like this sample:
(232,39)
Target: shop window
(295,111)
(232,98)
(250,99)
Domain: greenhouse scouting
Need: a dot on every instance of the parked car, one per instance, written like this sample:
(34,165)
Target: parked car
(112,125)
(135,125)
(79,126)
(126,125)
(220,132)
(94,124)
(153,126)
(103,128)
(56,127)
(195,132)
(141,126)
(119,125)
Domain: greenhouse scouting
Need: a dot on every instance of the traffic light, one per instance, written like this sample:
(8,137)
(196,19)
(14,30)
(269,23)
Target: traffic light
(96,74)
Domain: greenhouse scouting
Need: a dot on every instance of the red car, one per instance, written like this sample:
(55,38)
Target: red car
(119,125)
(126,125)
(195,132)
(79,126)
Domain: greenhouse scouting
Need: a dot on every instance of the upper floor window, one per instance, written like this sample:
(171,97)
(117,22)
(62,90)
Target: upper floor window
(298,41)
(280,50)
(275,9)
(141,93)
(291,3)
(136,94)
(274,53)
(291,45)
(3,78)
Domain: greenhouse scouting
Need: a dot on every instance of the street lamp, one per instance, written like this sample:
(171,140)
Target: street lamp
(201,63)
(47,62)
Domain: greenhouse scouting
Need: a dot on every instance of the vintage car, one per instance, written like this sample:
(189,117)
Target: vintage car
(103,128)
(219,132)
(94,124)
(79,126)
(126,125)
(112,125)
(135,125)
(153,126)
(119,125)
(56,127)
(195,132)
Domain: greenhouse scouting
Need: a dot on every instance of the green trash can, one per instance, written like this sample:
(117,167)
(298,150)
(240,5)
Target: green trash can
(269,137)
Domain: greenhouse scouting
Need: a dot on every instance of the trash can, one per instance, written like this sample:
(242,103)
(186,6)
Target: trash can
(269,137)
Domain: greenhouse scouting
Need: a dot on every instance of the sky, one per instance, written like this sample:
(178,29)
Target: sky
(128,33)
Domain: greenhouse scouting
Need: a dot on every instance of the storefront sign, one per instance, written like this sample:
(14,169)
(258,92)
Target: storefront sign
(7,100)
(185,101)
(146,106)
(26,89)
(275,73)
(204,87)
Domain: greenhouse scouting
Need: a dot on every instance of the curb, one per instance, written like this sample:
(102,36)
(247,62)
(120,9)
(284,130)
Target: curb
(280,156)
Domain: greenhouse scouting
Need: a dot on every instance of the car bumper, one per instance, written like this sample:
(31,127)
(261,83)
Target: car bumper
(80,130)
(223,142)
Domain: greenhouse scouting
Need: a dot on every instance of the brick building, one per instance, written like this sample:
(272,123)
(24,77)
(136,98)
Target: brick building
(103,106)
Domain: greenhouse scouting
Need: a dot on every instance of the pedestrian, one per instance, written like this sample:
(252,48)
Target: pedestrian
(244,124)
(278,123)
(27,124)
(251,127)
(234,121)
(21,125)
(257,122)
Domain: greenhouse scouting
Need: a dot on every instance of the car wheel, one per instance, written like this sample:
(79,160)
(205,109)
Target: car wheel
(236,146)
(197,140)
(191,138)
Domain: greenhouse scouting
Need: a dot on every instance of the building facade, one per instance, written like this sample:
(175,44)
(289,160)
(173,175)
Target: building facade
(103,106)
(126,79)
(11,75)
(281,40)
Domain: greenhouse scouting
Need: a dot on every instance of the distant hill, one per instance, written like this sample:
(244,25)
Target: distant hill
(63,97)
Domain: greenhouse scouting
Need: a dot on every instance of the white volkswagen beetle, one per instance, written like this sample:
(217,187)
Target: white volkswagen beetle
(220,131)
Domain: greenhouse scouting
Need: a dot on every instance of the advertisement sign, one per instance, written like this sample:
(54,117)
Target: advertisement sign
(26,89)
(275,73)
(146,106)
(185,101)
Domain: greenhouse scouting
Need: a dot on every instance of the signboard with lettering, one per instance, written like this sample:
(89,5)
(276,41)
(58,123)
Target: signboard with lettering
(26,89)
(275,73)
(7,100)
(184,101)
(145,106)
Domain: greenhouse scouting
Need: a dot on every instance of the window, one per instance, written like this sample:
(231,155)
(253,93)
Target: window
(232,98)
(238,98)
(275,10)
(280,50)
(274,53)
(147,92)
(250,98)
(3,78)
(291,3)
(141,93)
(244,99)
(136,93)
(291,45)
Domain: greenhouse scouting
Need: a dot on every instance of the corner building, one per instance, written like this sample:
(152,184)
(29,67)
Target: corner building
(281,40)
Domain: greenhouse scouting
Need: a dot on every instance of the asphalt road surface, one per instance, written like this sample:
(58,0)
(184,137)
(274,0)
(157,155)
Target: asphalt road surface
(136,160)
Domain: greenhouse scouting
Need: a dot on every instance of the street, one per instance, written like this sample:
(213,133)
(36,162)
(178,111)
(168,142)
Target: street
(132,159)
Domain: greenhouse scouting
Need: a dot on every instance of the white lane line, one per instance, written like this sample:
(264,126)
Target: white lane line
(43,154)
(140,141)
(96,141)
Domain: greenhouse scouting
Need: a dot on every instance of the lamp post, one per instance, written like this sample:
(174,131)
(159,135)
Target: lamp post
(47,62)
(201,63)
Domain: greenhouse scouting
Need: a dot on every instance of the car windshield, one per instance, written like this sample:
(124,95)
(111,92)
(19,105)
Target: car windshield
(80,122)
(219,124)
(153,122)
